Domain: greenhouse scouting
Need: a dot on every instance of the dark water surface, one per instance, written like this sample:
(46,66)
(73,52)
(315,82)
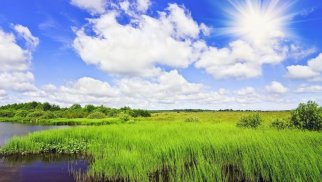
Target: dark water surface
(38,168)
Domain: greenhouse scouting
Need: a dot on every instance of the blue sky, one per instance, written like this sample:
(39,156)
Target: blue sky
(162,54)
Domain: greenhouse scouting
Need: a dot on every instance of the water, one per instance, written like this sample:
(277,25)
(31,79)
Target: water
(8,130)
(42,168)
(37,168)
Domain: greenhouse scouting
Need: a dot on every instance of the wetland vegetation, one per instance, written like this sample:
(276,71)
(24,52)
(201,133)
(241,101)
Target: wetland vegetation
(185,145)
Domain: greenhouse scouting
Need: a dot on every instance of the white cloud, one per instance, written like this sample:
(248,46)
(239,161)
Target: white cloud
(276,87)
(93,6)
(130,7)
(89,86)
(301,72)
(310,89)
(137,47)
(241,59)
(168,90)
(311,71)
(246,91)
(143,5)
(18,81)
(18,59)
(316,63)
(23,31)
(3,93)
(15,60)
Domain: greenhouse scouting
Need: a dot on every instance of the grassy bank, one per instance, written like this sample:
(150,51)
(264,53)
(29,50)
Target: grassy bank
(209,116)
(209,150)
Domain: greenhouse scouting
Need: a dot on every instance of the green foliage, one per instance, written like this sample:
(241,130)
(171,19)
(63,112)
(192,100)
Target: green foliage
(307,116)
(89,108)
(124,117)
(49,115)
(179,151)
(96,115)
(33,111)
(36,114)
(75,114)
(192,119)
(140,113)
(21,113)
(281,124)
(250,121)
(6,113)
(76,106)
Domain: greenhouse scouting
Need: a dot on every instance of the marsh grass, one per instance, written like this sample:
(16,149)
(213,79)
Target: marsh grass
(184,151)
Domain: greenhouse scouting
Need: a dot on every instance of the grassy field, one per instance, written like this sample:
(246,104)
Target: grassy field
(166,148)
(209,116)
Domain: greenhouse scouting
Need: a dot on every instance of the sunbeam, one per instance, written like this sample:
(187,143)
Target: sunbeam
(258,20)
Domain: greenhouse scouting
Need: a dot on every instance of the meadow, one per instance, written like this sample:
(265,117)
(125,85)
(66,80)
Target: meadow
(184,146)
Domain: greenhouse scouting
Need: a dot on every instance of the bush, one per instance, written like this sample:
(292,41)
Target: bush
(123,116)
(74,114)
(281,124)
(96,115)
(36,114)
(21,114)
(250,121)
(307,116)
(6,113)
(192,119)
(49,115)
(140,113)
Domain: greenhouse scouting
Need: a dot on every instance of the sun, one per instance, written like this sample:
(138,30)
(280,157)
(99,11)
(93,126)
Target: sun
(258,20)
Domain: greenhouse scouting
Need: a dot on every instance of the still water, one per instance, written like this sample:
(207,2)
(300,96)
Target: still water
(38,168)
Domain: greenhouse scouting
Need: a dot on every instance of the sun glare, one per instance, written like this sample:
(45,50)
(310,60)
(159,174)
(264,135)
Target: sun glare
(258,20)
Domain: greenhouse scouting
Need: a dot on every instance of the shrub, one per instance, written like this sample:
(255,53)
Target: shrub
(281,124)
(36,114)
(192,119)
(74,114)
(307,116)
(250,121)
(21,114)
(123,116)
(49,115)
(96,115)
(140,113)
(7,113)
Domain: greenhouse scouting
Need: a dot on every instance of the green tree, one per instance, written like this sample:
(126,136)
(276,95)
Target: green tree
(89,108)
(307,116)
(75,106)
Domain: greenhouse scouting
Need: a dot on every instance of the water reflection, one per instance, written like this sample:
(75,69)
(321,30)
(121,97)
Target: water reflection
(8,130)
(40,168)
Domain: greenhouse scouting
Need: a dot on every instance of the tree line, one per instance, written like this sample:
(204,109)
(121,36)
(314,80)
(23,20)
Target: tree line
(49,111)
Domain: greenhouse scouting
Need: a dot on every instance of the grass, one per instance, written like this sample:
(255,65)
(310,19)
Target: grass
(166,148)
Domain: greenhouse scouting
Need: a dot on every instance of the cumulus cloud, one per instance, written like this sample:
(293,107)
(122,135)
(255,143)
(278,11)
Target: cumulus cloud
(19,81)
(246,91)
(18,59)
(309,89)
(102,6)
(93,6)
(276,88)
(23,31)
(311,71)
(3,93)
(241,59)
(168,90)
(137,47)
(15,60)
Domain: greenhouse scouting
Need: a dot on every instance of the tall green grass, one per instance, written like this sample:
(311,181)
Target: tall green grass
(184,151)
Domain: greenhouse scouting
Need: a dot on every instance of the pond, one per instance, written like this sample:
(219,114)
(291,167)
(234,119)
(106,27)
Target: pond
(37,168)
(8,130)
